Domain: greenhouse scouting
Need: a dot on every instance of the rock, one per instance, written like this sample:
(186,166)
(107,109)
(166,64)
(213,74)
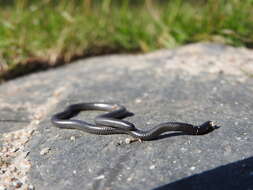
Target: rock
(194,83)
(45,151)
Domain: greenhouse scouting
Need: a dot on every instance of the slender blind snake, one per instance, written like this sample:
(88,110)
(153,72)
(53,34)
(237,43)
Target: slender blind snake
(112,123)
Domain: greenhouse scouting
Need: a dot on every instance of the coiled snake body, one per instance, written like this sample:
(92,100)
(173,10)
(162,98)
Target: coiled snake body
(111,123)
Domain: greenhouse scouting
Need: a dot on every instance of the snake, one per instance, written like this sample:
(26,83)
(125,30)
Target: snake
(112,122)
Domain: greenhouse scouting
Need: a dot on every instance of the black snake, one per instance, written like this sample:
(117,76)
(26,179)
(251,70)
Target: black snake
(112,123)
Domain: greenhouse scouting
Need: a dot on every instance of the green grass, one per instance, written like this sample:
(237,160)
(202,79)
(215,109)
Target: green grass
(37,34)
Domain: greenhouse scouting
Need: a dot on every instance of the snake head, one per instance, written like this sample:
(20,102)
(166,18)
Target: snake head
(206,127)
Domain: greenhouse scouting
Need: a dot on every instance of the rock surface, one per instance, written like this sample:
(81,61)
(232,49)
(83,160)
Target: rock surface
(192,84)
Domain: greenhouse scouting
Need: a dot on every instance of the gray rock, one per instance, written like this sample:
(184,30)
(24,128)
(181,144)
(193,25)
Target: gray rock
(192,84)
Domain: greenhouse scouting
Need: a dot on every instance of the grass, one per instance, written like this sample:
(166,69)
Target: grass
(35,35)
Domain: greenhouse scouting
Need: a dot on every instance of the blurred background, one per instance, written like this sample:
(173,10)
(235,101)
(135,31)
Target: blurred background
(39,34)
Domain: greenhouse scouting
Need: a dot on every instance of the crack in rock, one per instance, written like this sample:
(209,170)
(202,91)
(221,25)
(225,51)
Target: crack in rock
(14,165)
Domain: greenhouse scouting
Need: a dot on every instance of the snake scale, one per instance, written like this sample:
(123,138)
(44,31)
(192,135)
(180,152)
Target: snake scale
(112,123)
